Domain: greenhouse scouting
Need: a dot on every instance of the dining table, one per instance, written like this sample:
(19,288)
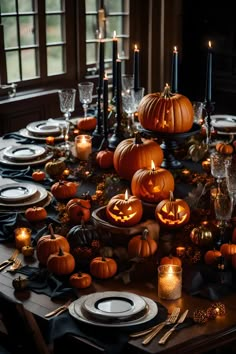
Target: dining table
(58,333)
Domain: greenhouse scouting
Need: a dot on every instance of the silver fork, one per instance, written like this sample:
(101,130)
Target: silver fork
(16,265)
(170,320)
(9,261)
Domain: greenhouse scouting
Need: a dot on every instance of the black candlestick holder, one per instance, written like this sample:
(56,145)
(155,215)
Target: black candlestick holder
(209,109)
(98,133)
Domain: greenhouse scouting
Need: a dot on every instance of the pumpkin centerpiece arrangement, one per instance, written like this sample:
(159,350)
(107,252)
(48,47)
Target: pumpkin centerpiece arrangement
(166,112)
(49,244)
(64,189)
(134,153)
(172,213)
(124,210)
(152,185)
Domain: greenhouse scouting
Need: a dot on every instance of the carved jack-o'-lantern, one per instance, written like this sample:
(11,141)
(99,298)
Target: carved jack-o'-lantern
(172,212)
(124,210)
(152,185)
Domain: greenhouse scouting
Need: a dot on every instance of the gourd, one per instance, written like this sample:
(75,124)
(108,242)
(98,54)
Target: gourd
(171,260)
(142,246)
(78,210)
(64,189)
(80,280)
(172,213)
(201,236)
(224,148)
(38,175)
(103,267)
(134,153)
(61,263)
(211,256)
(55,167)
(36,214)
(49,244)
(20,283)
(166,112)
(104,158)
(152,185)
(27,251)
(88,123)
(124,210)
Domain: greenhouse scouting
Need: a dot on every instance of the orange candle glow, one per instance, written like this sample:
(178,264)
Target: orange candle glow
(22,237)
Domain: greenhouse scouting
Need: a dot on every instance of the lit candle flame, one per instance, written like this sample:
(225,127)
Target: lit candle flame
(136,48)
(126,195)
(105,76)
(153,167)
(175,49)
(209,44)
(114,35)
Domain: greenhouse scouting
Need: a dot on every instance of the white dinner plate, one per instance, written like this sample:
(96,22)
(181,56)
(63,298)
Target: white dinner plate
(26,134)
(44,128)
(114,304)
(24,152)
(224,122)
(15,192)
(76,310)
(39,160)
(39,196)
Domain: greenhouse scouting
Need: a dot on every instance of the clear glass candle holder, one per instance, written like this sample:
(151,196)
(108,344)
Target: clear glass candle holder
(22,237)
(83,146)
(169,282)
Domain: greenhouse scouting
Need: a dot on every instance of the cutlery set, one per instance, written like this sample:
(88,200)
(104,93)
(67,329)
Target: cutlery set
(10,261)
(151,333)
(58,310)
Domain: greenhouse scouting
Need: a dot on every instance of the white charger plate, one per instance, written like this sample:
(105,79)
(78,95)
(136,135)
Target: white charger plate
(224,122)
(44,128)
(15,192)
(23,152)
(37,161)
(39,196)
(76,311)
(114,304)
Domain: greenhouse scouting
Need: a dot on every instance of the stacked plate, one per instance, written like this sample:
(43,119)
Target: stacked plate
(113,309)
(22,195)
(224,123)
(21,155)
(42,129)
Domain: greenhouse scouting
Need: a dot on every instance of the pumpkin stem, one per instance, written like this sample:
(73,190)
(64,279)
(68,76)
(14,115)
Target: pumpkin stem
(145,234)
(104,259)
(137,138)
(167,93)
(60,252)
(79,274)
(171,196)
(51,231)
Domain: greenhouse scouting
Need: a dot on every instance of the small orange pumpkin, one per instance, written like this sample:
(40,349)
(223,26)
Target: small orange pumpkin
(38,175)
(224,148)
(64,189)
(80,280)
(142,245)
(61,263)
(227,250)
(27,251)
(78,210)
(104,158)
(171,260)
(103,267)
(88,123)
(211,256)
(36,214)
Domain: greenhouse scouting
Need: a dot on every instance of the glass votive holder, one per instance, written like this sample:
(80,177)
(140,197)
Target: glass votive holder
(180,251)
(169,282)
(22,237)
(83,146)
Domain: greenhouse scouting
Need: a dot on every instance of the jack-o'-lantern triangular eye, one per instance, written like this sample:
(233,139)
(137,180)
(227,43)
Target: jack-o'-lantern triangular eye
(116,207)
(129,208)
(150,183)
(180,209)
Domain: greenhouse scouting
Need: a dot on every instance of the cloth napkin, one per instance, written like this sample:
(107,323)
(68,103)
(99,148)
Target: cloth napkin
(113,340)
(18,137)
(43,282)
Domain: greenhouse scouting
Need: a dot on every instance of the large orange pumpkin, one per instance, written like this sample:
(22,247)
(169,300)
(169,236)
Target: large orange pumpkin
(61,263)
(166,112)
(124,210)
(134,153)
(152,185)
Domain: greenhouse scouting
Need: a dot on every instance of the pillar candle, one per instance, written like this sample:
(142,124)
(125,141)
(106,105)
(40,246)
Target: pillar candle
(83,146)
(105,105)
(101,61)
(114,58)
(209,73)
(169,282)
(22,237)
(136,67)
(174,79)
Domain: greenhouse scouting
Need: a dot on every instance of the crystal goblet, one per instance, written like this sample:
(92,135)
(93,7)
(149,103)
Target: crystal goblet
(67,105)
(85,95)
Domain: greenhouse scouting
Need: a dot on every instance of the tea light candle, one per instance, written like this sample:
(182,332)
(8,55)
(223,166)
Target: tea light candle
(83,145)
(180,250)
(22,237)
(206,165)
(50,140)
(169,282)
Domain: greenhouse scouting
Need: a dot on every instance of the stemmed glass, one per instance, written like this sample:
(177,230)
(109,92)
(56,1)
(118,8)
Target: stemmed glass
(128,104)
(230,174)
(223,206)
(218,167)
(67,105)
(85,95)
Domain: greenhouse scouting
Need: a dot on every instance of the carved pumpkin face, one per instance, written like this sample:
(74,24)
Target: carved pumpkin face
(172,213)
(124,211)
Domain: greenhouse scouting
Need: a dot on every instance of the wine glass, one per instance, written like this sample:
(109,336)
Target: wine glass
(218,166)
(85,94)
(128,104)
(223,206)
(230,174)
(67,105)
(127,82)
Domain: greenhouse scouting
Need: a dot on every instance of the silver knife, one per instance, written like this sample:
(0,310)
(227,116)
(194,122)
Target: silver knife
(168,333)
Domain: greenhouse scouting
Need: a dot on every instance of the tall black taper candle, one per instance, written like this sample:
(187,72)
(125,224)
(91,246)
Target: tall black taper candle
(136,67)
(114,57)
(105,106)
(174,78)
(101,62)
(209,74)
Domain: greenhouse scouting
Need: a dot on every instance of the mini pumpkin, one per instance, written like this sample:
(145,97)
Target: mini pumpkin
(227,250)
(142,245)
(124,210)
(78,210)
(201,236)
(80,280)
(88,123)
(103,267)
(64,189)
(104,158)
(152,185)
(61,263)
(197,151)
(224,148)
(166,112)
(211,256)
(55,167)
(134,153)
(36,214)
(38,175)
(171,260)
(49,244)
(172,213)
(20,283)
(27,251)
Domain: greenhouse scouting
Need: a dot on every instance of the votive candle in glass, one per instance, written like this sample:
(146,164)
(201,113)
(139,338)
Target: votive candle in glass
(83,146)
(180,251)
(169,282)
(22,237)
